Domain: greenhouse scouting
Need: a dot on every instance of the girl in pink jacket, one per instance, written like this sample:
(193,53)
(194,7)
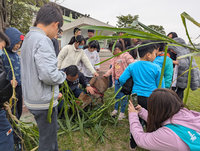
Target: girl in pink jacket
(119,64)
(170,126)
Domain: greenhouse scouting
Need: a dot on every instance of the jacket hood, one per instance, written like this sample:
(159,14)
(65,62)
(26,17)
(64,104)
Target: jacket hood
(15,36)
(187,118)
(179,49)
(179,40)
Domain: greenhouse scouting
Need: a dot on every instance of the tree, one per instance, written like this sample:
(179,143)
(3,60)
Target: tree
(3,14)
(126,21)
(157,28)
(132,22)
(19,13)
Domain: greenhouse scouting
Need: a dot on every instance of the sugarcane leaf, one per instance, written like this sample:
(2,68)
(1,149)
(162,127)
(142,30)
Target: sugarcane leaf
(188,83)
(50,107)
(163,68)
(186,30)
(188,55)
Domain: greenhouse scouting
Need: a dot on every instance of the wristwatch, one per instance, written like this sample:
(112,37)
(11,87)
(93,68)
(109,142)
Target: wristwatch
(88,85)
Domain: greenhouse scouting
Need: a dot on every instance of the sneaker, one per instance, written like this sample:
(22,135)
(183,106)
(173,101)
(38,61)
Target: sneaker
(121,116)
(114,113)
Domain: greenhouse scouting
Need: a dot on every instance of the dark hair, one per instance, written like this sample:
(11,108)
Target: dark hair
(48,14)
(93,44)
(117,45)
(162,105)
(71,70)
(79,39)
(91,30)
(174,35)
(147,48)
(76,30)
(133,52)
(160,45)
(4,37)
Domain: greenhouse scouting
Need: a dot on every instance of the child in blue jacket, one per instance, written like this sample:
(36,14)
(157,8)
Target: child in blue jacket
(159,60)
(16,38)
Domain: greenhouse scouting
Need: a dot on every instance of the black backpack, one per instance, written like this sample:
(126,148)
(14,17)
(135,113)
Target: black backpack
(5,86)
(127,87)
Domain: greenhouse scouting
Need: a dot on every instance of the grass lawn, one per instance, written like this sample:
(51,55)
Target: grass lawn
(118,136)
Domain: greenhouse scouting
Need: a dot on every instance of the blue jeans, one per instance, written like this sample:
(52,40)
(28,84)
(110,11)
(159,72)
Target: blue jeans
(122,102)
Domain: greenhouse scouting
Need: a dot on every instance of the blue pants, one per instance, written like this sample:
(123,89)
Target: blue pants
(6,133)
(124,101)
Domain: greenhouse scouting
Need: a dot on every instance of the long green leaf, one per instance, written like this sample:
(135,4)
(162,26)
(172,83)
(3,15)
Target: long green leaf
(189,55)
(163,68)
(186,30)
(50,107)
(188,83)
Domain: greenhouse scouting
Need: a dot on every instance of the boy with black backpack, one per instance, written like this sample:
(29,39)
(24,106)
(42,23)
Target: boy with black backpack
(145,75)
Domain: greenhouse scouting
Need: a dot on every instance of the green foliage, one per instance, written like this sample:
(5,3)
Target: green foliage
(130,21)
(126,21)
(22,12)
(158,28)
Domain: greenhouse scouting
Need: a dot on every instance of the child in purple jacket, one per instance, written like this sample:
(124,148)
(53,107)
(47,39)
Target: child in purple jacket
(170,126)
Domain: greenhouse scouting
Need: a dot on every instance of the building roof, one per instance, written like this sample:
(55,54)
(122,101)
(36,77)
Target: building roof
(85,21)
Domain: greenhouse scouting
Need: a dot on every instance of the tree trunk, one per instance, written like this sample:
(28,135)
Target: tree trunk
(3,14)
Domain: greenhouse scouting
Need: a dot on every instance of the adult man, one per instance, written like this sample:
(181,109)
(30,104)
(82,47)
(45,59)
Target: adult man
(40,75)
(90,35)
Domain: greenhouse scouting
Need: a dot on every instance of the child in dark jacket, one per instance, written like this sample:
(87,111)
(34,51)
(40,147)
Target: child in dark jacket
(16,39)
(6,132)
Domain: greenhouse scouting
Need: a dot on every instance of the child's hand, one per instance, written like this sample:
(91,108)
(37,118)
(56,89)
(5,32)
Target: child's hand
(105,75)
(60,96)
(13,83)
(96,74)
(90,90)
(131,108)
(138,108)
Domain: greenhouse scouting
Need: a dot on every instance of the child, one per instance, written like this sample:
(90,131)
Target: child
(74,55)
(40,75)
(93,56)
(119,64)
(159,60)
(183,65)
(145,75)
(6,132)
(170,126)
(16,39)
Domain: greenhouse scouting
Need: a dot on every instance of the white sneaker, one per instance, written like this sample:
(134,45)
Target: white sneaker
(114,113)
(121,116)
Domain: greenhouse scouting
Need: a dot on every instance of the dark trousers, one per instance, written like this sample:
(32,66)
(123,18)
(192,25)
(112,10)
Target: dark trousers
(180,92)
(47,131)
(142,101)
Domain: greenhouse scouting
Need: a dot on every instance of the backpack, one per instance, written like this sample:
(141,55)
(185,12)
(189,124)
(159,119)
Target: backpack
(189,136)
(127,87)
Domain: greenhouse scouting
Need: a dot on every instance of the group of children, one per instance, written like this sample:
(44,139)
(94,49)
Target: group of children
(39,74)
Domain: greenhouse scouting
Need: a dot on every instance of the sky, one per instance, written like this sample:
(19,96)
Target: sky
(157,12)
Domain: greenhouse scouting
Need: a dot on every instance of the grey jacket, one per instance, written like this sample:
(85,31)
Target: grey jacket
(39,72)
(184,65)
